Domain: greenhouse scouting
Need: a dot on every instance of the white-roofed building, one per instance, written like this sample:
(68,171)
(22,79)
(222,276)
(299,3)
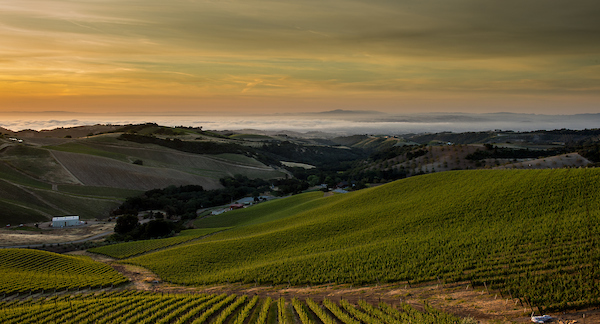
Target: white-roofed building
(65,221)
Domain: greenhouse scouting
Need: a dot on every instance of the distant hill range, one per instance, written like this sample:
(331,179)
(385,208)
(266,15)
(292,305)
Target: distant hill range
(89,170)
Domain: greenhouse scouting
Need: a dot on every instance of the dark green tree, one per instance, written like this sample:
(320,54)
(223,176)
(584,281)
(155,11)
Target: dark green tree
(126,224)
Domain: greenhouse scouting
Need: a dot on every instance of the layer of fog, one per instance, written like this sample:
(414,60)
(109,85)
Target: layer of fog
(335,122)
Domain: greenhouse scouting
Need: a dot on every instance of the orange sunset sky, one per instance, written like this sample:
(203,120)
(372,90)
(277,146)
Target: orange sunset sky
(267,56)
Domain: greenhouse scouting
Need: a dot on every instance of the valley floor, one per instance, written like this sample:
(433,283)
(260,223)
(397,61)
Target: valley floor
(45,235)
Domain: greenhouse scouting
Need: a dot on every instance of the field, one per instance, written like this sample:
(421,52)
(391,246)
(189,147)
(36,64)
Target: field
(45,177)
(129,249)
(11,213)
(12,175)
(33,271)
(104,172)
(454,157)
(20,195)
(23,204)
(530,234)
(99,191)
(214,166)
(37,163)
(139,307)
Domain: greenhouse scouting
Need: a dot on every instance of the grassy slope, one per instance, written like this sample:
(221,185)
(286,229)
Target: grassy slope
(87,208)
(10,174)
(214,167)
(262,213)
(15,214)
(528,231)
(25,198)
(129,249)
(102,163)
(24,270)
(99,191)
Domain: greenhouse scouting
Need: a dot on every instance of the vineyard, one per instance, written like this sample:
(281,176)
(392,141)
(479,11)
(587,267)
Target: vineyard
(129,249)
(27,271)
(531,235)
(126,306)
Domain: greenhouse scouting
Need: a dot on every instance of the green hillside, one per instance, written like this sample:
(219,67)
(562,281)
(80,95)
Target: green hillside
(533,233)
(129,249)
(24,270)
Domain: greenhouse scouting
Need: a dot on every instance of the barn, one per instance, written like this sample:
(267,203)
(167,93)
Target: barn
(65,221)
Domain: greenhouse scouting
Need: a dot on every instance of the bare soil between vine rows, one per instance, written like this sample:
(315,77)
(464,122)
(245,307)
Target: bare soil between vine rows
(459,298)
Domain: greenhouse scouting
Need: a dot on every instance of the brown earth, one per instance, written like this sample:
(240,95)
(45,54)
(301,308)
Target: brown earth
(49,235)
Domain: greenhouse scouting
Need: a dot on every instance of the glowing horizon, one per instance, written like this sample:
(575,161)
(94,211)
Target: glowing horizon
(539,56)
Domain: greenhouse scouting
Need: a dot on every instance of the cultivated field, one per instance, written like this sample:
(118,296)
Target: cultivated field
(528,234)
(129,249)
(139,307)
(34,271)
(104,172)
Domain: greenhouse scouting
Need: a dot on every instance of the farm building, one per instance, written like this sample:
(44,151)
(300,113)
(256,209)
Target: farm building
(236,206)
(65,221)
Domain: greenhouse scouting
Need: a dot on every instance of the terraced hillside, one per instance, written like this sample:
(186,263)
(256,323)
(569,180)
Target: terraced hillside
(532,234)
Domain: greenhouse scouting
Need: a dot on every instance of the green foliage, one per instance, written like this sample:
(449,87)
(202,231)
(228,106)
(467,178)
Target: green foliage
(533,232)
(186,200)
(32,270)
(130,307)
(126,224)
(129,249)
(128,228)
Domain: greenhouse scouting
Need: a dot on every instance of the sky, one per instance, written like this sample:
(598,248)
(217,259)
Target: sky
(281,56)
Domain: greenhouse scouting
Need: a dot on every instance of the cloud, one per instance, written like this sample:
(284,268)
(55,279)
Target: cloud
(334,49)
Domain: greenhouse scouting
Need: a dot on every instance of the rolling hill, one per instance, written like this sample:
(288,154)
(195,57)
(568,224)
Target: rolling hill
(46,175)
(529,233)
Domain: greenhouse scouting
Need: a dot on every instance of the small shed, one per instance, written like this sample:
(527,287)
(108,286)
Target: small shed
(65,221)
(236,206)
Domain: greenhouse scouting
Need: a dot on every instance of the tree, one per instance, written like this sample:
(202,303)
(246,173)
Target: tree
(126,224)
(158,228)
(314,180)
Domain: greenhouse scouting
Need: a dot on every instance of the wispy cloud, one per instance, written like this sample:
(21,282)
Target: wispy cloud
(313,51)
